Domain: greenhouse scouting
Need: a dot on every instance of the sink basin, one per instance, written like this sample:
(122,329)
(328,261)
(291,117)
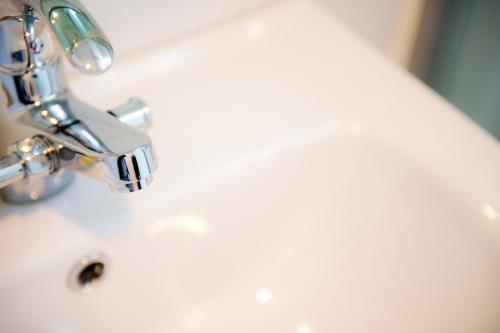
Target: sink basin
(305,185)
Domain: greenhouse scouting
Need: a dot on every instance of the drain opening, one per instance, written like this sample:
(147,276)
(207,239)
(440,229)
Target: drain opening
(88,273)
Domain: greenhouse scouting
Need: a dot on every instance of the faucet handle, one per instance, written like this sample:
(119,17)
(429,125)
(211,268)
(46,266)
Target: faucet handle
(83,42)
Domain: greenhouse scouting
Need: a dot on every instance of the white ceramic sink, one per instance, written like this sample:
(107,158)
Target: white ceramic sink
(305,185)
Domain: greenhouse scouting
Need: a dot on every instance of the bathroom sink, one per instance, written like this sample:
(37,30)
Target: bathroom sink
(305,185)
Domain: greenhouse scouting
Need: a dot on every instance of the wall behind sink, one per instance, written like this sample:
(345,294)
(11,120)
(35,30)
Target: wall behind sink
(390,25)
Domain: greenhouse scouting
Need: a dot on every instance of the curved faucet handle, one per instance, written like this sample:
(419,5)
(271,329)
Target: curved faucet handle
(84,43)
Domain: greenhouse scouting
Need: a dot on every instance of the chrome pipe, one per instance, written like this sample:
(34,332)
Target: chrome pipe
(11,170)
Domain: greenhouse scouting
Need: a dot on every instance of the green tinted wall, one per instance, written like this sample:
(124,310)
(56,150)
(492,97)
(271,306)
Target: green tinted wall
(465,60)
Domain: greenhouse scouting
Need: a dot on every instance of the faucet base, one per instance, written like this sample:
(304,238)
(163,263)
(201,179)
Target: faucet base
(60,131)
(42,188)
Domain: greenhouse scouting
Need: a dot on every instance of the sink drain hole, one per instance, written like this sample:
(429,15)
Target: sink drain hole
(88,273)
(91,274)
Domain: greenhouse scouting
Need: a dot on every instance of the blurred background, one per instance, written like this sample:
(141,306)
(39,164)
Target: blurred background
(451,45)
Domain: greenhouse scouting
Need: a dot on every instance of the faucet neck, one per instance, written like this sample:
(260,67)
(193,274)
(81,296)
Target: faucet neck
(36,86)
(29,69)
(29,63)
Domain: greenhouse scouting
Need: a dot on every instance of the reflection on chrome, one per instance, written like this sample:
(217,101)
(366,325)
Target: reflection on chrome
(264,295)
(489,212)
(303,328)
(190,223)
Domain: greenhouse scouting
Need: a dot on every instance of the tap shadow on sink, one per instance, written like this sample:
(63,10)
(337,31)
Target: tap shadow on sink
(88,204)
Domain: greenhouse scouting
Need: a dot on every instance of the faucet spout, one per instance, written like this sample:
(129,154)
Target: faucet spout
(135,171)
(96,143)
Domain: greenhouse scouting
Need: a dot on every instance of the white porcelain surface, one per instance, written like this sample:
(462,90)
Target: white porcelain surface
(305,185)
(132,25)
(390,25)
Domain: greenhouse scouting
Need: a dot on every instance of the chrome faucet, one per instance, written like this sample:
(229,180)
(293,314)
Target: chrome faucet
(45,131)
